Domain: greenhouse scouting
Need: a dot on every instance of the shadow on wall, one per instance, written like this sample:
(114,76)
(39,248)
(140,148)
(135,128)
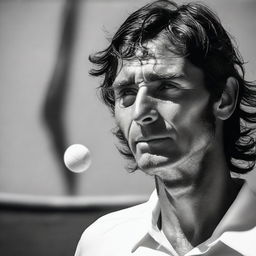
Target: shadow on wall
(54,105)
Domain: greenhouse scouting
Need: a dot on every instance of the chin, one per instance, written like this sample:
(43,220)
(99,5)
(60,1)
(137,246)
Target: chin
(155,164)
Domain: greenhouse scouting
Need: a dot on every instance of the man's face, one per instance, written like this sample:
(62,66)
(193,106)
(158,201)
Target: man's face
(161,107)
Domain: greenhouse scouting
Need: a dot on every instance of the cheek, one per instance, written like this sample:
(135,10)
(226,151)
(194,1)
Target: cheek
(193,113)
(188,118)
(123,119)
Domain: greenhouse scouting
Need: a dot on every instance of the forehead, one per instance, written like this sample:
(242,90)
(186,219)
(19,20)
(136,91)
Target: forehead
(160,61)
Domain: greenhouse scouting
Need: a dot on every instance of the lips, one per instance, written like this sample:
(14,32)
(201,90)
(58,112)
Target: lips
(154,138)
(153,145)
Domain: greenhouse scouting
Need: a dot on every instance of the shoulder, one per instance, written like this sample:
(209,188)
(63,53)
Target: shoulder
(117,229)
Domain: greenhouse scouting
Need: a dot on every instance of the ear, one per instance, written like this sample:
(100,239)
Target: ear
(225,106)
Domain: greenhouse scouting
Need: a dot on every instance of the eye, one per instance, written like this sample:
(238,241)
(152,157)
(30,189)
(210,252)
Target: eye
(169,90)
(126,96)
(168,86)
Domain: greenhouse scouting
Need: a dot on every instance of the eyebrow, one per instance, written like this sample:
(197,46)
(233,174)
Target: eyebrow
(123,83)
(158,77)
(152,77)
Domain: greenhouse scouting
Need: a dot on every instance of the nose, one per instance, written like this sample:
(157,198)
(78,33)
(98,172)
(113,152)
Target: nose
(144,108)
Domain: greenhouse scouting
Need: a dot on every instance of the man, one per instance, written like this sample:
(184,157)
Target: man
(175,85)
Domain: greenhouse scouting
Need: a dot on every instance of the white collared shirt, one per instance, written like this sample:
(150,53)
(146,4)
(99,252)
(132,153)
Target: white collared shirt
(134,232)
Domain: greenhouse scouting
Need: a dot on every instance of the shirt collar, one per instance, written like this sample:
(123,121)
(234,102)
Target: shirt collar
(238,226)
(158,239)
(240,217)
(241,214)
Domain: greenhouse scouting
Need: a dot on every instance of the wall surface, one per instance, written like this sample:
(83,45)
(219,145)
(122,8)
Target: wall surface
(29,41)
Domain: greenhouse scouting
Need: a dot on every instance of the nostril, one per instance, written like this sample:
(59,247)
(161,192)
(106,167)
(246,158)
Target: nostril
(147,119)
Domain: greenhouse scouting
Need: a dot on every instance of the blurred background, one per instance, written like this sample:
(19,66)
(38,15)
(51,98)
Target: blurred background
(48,101)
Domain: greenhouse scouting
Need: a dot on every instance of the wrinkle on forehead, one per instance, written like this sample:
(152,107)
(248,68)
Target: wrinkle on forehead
(142,70)
(160,60)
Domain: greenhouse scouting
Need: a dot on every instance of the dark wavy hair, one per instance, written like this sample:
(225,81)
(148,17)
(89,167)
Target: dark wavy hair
(196,33)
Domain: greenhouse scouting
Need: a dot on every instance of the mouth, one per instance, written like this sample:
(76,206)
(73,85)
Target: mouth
(152,139)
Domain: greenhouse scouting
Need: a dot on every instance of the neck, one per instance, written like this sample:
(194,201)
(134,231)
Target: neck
(191,210)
